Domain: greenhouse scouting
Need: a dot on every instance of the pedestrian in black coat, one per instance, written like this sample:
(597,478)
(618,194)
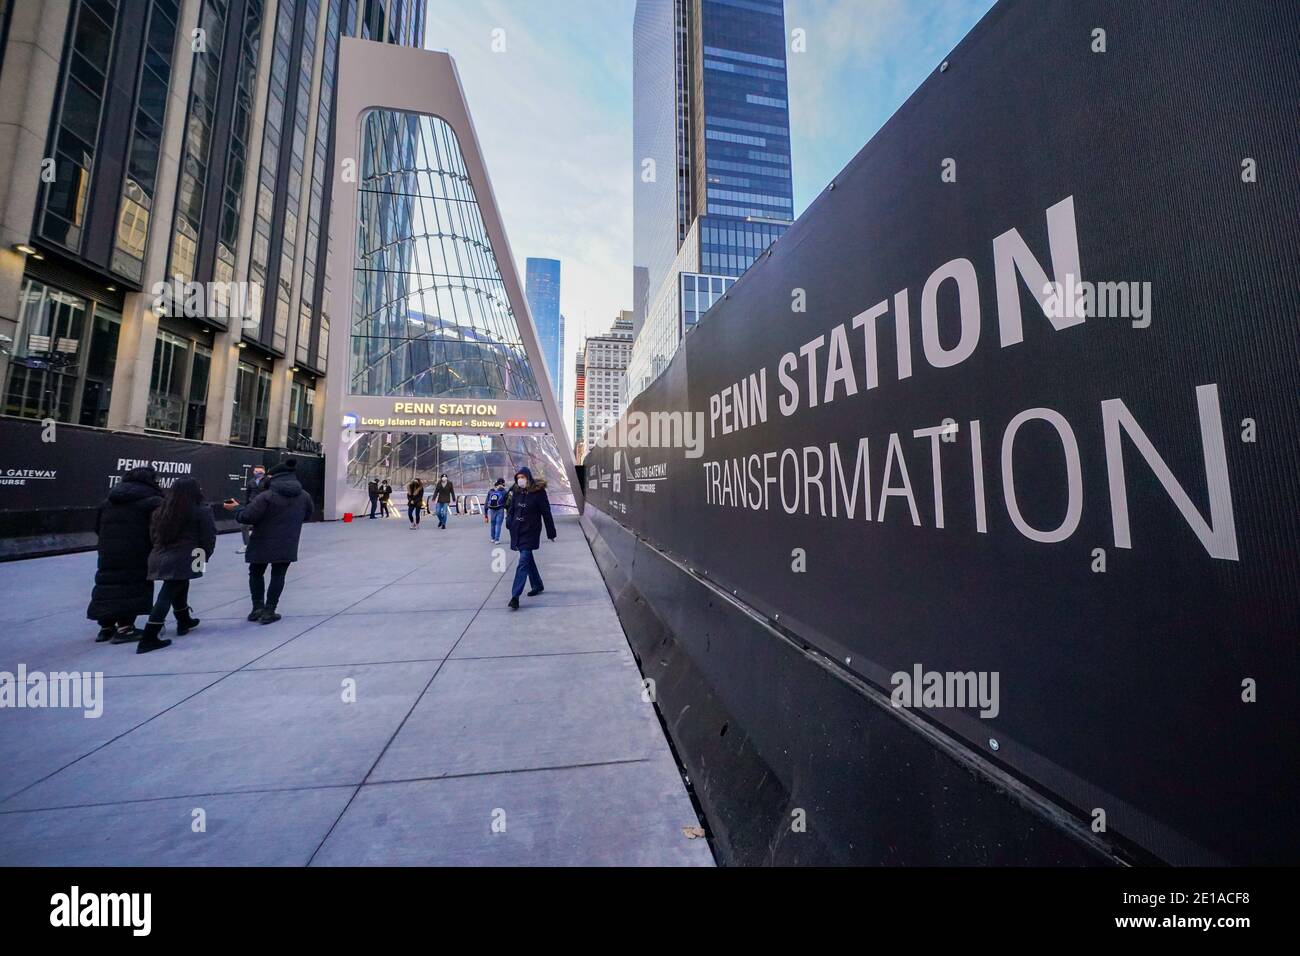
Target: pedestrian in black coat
(444,493)
(529,510)
(414,502)
(276,515)
(184,536)
(122,587)
(372,489)
(252,488)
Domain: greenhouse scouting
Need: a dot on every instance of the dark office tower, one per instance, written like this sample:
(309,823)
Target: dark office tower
(164,210)
(542,288)
(711,140)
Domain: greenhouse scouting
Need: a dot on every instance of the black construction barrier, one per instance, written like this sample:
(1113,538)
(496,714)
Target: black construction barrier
(54,477)
(1004,431)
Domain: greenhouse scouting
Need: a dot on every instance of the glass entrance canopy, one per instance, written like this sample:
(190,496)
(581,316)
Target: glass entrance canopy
(431,317)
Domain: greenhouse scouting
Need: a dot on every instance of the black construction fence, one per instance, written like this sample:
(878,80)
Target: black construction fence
(54,476)
(1014,400)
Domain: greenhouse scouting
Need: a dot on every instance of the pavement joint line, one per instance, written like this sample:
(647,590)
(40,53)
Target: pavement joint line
(506,772)
(327,786)
(402,723)
(425,660)
(179,796)
(410,610)
(111,740)
(408,568)
(512,657)
(164,674)
(165,710)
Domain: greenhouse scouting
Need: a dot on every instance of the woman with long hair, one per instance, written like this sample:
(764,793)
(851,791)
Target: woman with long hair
(414,502)
(184,535)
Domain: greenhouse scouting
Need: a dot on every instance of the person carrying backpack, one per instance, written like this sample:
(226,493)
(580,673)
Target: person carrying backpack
(495,510)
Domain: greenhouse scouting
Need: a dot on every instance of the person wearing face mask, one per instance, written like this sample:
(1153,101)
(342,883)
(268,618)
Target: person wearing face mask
(443,493)
(252,488)
(529,509)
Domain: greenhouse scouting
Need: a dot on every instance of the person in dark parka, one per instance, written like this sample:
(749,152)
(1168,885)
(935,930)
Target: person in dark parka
(276,515)
(414,502)
(184,536)
(252,488)
(372,489)
(122,587)
(529,510)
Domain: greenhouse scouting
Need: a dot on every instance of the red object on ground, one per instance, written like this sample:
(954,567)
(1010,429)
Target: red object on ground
(347,516)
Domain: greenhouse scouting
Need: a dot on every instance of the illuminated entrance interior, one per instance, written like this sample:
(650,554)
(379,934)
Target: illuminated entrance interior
(431,318)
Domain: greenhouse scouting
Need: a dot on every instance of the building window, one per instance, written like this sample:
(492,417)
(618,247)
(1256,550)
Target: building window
(196,409)
(98,384)
(204,88)
(167,384)
(145,143)
(302,410)
(48,349)
(252,406)
(76,133)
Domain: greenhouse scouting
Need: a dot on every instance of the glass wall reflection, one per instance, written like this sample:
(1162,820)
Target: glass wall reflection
(430,315)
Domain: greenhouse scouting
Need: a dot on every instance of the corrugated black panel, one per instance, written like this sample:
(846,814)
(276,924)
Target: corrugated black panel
(1120,690)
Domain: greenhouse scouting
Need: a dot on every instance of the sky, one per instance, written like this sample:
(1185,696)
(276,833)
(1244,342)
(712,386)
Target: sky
(549,84)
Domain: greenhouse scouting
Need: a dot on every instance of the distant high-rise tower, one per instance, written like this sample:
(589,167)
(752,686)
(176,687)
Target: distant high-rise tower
(543,292)
(605,367)
(580,405)
(711,140)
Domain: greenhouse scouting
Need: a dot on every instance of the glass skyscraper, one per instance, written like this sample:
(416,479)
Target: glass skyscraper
(711,139)
(542,288)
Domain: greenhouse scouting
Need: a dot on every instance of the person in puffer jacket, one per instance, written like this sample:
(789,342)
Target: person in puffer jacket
(122,588)
(277,515)
(184,536)
(528,511)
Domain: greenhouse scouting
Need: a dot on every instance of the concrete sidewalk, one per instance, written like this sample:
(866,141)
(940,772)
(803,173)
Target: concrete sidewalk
(478,735)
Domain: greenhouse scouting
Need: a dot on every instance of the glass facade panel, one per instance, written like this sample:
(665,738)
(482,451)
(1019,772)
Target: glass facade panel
(167,382)
(430,315)
(195,157)
(252,405)
(196,408)
(75,137)
(139,183)
(430,309)
(98,385)
(48,348)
